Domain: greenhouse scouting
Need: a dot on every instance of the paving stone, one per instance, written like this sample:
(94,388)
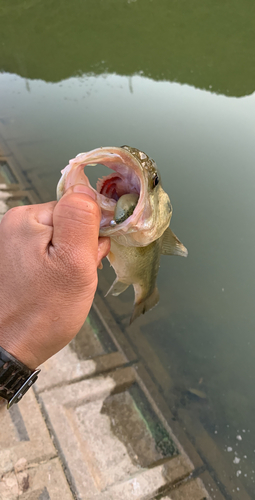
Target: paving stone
(72,411)
(65,367)
(147,483)
(135,426)
(25,434)
(98,455)
(41,482)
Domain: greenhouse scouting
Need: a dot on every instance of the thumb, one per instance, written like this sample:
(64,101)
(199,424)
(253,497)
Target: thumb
(76,220)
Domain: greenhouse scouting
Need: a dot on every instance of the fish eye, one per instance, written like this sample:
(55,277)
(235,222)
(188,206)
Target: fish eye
(155,180)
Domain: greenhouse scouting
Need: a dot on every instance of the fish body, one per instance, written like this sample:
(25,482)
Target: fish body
(136,214)
(137,266)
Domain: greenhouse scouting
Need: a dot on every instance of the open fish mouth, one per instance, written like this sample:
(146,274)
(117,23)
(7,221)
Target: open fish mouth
(128,177)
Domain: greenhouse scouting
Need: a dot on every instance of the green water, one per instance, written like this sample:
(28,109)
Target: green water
(175,79)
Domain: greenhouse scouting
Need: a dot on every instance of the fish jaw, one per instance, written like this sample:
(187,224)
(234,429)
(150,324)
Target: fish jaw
(152,213)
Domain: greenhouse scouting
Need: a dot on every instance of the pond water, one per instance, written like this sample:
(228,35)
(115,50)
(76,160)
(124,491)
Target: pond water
(176,80)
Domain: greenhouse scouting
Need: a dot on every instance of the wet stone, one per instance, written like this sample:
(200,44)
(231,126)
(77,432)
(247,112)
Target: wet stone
(86,344)
(138,428)
(193,490)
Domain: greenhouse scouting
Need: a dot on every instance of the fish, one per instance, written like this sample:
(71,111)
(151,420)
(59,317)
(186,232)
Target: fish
(135,215)
(196,392)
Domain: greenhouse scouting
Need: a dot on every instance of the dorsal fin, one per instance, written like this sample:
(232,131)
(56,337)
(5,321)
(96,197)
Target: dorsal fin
(171,245)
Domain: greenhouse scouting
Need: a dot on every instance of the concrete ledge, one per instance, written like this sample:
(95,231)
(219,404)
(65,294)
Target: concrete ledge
(193,490)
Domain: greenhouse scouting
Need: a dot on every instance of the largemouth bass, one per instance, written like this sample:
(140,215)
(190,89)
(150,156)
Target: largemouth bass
(136,214)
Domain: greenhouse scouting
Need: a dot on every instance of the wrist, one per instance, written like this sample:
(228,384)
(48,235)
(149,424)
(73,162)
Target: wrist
(15,378)
(18,350)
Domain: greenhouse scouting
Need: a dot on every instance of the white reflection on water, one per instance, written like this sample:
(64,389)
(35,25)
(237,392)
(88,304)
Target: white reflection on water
(204,146)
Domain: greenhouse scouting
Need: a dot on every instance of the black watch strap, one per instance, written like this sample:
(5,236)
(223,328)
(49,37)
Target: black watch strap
(15,378)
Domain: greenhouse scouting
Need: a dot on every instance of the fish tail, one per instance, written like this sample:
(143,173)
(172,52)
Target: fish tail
(145,305)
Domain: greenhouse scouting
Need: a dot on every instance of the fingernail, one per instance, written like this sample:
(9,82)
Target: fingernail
(80,188)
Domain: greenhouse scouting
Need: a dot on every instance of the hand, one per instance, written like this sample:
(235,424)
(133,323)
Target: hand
(49,256)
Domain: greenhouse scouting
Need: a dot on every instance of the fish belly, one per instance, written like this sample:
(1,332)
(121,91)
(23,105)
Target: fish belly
(137,266)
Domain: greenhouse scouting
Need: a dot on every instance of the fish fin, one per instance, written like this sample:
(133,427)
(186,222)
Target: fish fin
(145,305)
(117,288)
(171,245)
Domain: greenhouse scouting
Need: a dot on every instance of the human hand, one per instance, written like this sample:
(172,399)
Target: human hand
(49,255)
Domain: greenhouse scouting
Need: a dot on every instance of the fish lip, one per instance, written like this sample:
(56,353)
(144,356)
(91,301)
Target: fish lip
(117,159)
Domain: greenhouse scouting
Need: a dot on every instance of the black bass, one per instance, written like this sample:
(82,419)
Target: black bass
(136,214)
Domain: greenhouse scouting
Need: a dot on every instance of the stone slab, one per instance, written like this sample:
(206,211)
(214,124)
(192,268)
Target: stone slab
(147,483)
(25,434)
(65,367)
(105,440)
(40,482)
(72,412)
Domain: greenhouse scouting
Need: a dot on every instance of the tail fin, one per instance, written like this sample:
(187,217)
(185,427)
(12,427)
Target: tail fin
(145,305)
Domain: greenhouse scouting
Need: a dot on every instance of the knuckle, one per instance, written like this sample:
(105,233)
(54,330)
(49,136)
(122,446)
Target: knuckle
(83,210)
(12,219)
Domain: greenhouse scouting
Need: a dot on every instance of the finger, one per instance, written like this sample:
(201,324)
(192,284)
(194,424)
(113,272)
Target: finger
(27,221)
(44,215)
(76,220)
(104,246)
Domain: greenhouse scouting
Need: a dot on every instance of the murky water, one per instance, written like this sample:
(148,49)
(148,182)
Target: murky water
(176,80)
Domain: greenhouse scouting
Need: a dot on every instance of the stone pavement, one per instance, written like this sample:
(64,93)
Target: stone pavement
(89,433)
(89,429)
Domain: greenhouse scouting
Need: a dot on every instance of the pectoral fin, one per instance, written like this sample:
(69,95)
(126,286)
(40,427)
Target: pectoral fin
(117,288)
(171,245)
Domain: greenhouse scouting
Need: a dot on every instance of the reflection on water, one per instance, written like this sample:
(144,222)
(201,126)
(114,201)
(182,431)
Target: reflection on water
(155,75)
(203,144)
(206,44)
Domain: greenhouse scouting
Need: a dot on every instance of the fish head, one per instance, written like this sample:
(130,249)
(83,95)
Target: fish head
(134,172)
